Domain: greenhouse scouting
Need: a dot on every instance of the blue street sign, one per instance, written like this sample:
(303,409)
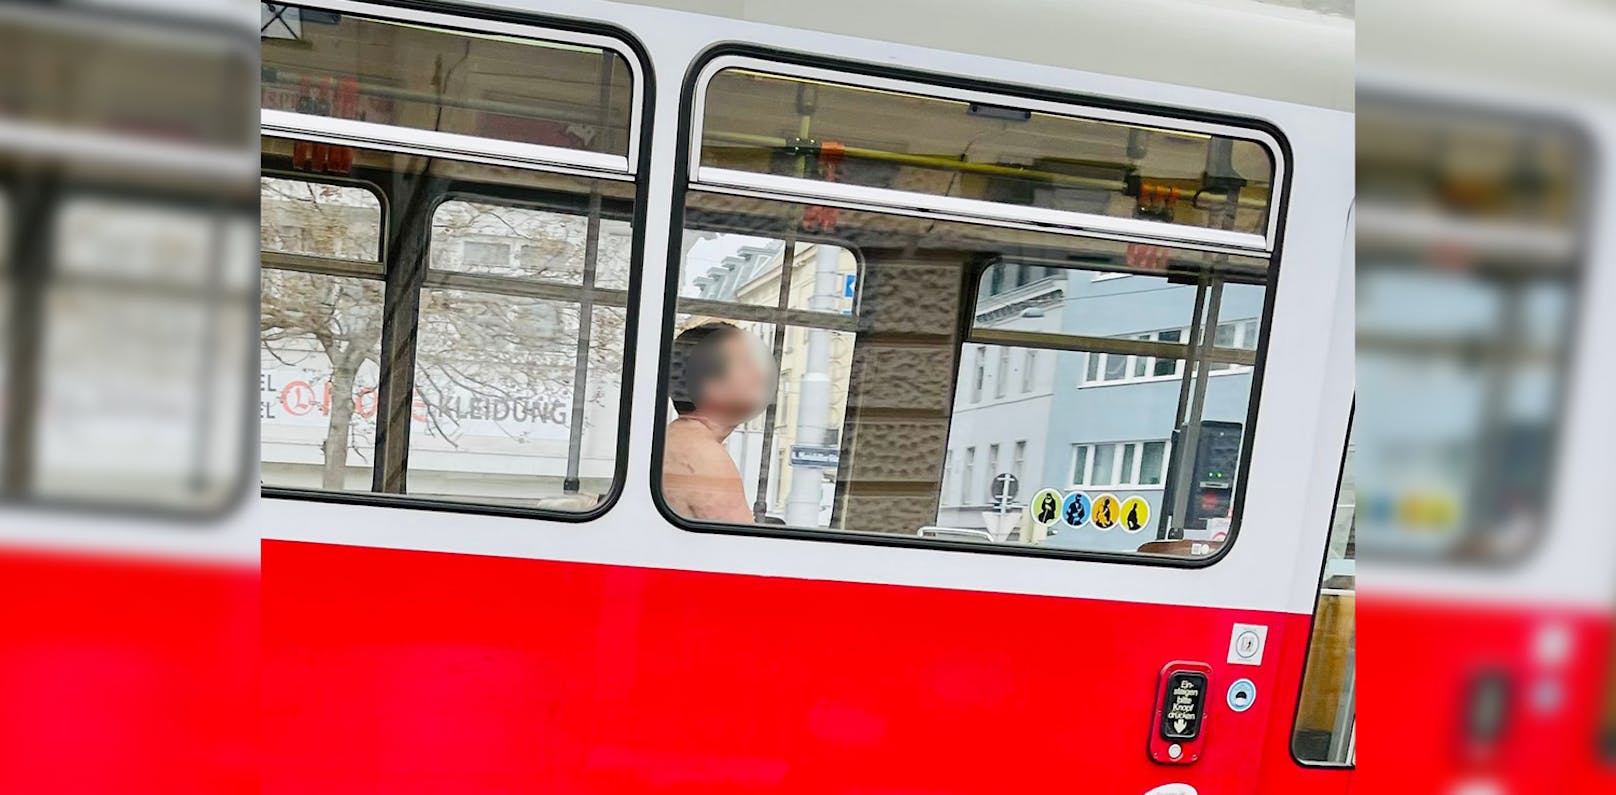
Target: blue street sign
(849,284)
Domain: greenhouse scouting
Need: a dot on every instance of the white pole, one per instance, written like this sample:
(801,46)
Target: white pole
(813,401)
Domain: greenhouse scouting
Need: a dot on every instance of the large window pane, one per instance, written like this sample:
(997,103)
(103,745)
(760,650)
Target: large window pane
(914,378)
(499,395)
(494,382)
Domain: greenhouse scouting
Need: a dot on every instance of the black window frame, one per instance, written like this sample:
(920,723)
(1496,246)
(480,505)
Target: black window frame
(631,48)
(682,187)
(1313,618)
(35,201)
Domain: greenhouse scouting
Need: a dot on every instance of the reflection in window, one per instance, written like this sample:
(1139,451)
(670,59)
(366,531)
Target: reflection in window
(494,383)
(497,87)
(319,219)
(321,339)
(1326,718)
(496,239)
(506,388)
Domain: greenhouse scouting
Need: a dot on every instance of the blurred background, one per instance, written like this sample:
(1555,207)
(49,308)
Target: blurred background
(1476,484)
(1482,424)
(128,282)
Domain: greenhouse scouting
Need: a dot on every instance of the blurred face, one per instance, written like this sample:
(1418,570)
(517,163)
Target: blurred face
(743,390)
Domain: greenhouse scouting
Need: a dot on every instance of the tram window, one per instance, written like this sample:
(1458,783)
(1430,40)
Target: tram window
(1464,335)
(960,149)
(141,301)
(900,396)
(528,91)
(497,272)
(1325,730)
(477,355)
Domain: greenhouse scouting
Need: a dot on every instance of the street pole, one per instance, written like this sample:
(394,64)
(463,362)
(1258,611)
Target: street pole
(813,390)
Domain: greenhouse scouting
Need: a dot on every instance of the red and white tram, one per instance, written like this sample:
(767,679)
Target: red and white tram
(982,281)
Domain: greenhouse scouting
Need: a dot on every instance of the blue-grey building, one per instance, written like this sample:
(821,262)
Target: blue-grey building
(1090,421)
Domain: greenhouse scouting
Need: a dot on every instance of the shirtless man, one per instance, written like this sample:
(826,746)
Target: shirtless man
(718,383)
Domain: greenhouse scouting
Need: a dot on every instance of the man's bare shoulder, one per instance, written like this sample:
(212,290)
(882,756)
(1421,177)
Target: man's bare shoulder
(691,449)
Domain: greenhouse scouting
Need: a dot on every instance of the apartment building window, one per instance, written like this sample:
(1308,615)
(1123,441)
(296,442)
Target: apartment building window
(1117,368)
(1236,335)
(1001,379)
(969,476)
(980,374)
(482,255)
(1119,464)
(1019,463)
(1029,371)
(993,466)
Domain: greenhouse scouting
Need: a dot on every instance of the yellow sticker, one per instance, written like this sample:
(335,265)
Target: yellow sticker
(1135,514)
(1107,510)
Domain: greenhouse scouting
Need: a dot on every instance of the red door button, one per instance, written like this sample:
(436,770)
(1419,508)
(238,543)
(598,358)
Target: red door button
(1178,731)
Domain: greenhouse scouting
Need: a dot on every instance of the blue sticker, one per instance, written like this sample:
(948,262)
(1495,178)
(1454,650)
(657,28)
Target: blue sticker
(1075,509)
(1242,694)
